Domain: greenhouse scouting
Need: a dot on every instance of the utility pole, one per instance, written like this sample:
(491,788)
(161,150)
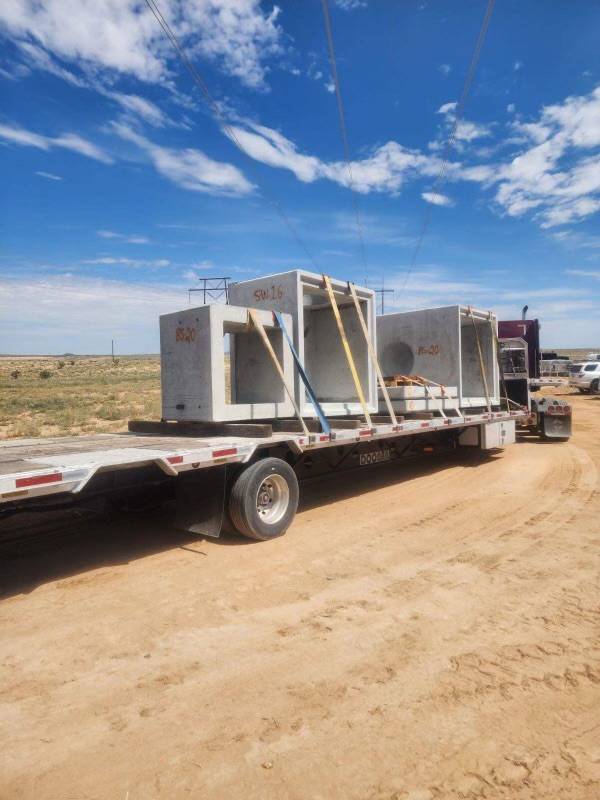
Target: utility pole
(380,299)
(112,348)
(215,289)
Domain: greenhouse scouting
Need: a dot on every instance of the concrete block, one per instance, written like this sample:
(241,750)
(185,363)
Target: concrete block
(413,391)
(419,404)
(439,344)
(193,374)
(316,337)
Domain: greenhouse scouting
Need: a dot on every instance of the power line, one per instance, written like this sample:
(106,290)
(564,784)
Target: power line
(338,95)
(450,142)
(229,130)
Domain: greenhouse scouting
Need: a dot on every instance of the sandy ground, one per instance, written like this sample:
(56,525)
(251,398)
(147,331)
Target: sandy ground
(423,631)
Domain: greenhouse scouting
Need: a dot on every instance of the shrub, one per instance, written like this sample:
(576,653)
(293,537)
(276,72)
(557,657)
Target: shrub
(45,374)
(72,363)
(15,373)
(60,365)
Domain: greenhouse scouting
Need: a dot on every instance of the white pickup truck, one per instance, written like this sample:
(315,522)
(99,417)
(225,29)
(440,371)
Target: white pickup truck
(585,377)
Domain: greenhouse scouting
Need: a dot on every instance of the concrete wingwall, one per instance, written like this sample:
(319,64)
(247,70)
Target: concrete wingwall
(194,385)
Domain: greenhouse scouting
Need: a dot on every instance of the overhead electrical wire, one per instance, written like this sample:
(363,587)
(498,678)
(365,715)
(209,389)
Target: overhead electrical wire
(214,106)
(450,142)
(338,95)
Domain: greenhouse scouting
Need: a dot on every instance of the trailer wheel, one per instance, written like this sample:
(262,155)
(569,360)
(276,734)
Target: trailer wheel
(263,499)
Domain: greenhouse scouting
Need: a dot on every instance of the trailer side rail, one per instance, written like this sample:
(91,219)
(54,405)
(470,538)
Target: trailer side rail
(24,475)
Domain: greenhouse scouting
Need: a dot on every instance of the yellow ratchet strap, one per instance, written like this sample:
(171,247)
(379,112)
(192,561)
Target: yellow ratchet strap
(363,324)
(481,366)
(340,324)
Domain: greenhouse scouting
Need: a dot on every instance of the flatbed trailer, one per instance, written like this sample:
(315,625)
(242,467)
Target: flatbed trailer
(250,484)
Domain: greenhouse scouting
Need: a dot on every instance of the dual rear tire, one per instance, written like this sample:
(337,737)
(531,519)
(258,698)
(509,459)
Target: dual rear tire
(263,499)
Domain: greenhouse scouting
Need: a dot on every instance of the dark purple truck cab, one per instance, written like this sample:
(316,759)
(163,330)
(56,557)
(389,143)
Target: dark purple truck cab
(529,330)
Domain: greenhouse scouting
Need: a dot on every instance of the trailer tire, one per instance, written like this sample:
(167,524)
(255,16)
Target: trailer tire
(263,499)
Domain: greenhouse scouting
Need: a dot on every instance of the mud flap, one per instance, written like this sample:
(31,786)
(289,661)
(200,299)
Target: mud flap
(200,501)
(555,426)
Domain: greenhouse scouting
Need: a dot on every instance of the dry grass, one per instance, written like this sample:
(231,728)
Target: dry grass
(86,395)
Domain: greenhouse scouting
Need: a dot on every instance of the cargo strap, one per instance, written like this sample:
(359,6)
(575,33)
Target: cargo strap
(254,318)
(304,377)
(499,360)
(363,325)
(481,366)
(340,324)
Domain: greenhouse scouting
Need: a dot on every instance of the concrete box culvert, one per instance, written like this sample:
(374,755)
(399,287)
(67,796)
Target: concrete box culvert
(316,338)
(440,344)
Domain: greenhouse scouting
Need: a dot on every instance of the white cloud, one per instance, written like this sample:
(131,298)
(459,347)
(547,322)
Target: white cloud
(517,65)
(350,5)
(576,239)
(192,273)
(123,37)
(437,199)
(445,69)
(68,141)
(188,168)
(272,148)
(510,108)
(583,273)
(555,177)
(466,131)
(122,237)
(128,262)
(49,175)
(238,36)
(134,104)
(83,315)
(447,108)
(384,170)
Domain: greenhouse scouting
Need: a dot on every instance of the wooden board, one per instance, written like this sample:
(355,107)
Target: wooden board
(242,429)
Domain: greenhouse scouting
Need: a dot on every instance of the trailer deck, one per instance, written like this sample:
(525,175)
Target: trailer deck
(40,467)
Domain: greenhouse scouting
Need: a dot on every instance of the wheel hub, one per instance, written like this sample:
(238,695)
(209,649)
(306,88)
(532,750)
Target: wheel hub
(272,499)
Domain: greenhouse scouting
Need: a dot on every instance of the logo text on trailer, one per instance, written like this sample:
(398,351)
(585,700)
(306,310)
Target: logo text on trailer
(374,458)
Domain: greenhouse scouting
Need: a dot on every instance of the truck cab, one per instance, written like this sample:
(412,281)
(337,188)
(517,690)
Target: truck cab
(519,355)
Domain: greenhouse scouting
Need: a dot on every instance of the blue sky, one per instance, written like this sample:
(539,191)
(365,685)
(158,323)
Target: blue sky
(120,188)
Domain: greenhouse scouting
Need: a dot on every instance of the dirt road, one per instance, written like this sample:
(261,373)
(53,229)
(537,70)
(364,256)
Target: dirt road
(421,632)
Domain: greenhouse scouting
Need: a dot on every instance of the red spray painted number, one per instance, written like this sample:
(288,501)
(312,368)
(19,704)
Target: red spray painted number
(432,350)
(270,293)
(185,334)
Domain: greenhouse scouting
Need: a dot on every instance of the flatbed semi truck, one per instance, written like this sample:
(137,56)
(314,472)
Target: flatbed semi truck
(247,483)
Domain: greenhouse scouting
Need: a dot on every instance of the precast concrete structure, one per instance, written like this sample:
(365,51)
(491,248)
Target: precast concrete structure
(440,344)
(193,373)
(316,338)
